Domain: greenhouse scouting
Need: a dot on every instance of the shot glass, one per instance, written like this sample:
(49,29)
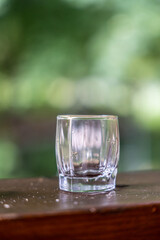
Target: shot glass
(87,152)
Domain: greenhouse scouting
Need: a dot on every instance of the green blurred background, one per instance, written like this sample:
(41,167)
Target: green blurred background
(77,57)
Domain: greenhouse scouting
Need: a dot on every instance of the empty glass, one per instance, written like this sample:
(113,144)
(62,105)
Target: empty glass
(87,152)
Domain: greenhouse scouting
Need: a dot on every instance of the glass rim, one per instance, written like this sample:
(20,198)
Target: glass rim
(87,117)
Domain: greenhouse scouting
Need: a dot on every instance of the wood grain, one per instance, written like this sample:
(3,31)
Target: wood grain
(36,209)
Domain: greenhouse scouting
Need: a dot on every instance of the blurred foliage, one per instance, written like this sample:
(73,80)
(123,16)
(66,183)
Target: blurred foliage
(9,158)
(67,56)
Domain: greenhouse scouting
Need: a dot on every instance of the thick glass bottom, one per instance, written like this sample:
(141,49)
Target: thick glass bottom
(101,183)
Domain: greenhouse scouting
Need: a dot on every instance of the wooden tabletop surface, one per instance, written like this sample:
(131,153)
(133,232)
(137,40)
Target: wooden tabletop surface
(37,209)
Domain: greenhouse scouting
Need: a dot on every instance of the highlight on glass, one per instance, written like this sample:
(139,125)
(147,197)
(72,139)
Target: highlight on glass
(87,152)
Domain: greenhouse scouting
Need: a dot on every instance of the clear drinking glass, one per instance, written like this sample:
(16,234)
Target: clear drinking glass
(87,152)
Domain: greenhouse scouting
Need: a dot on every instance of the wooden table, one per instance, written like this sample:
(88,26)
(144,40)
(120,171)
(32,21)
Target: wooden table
(36,209)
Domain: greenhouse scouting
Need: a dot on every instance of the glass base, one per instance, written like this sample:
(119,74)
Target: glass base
(101,183)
